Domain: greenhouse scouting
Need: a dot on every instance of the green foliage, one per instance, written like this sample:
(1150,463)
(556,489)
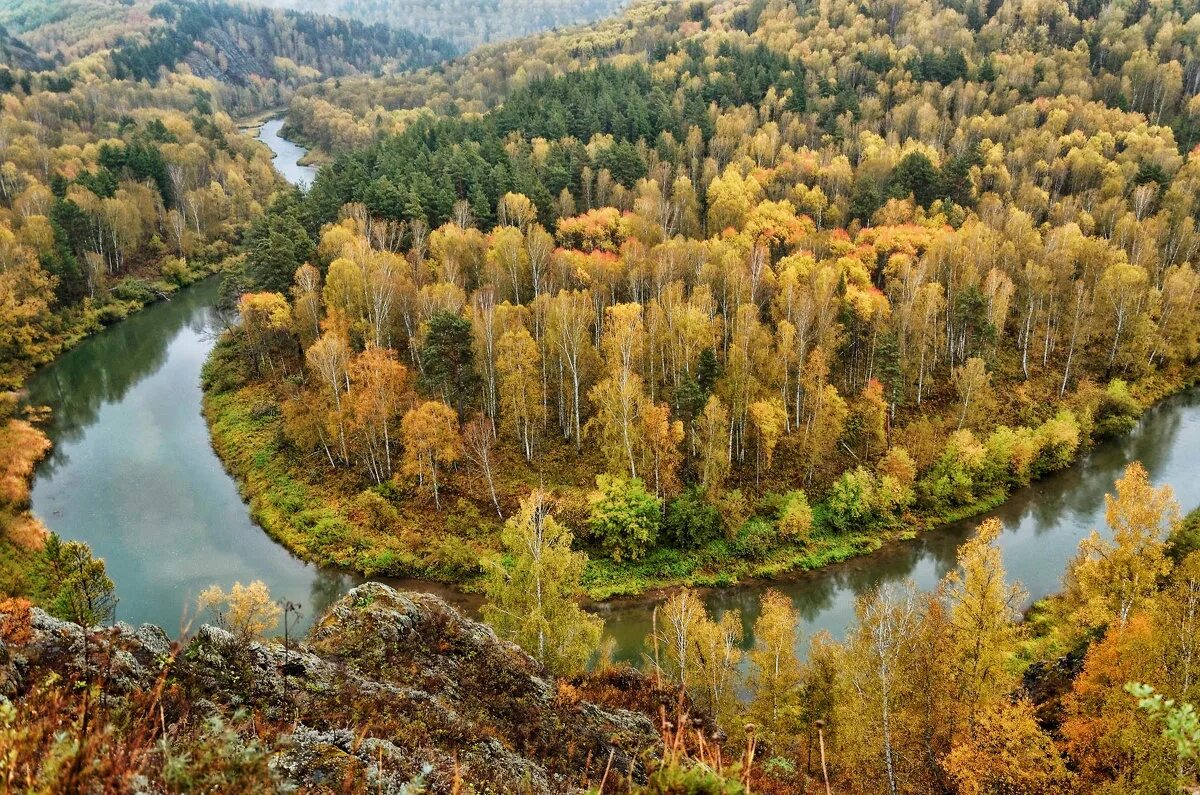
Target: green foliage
(708,370)
(447,359)
(216,758)
(915,175)
(689,779)
(1118,411)
(1180,723)
(690,520)
(795,517)
(624,517)
(1184,538)
(849,504)
(755,539)
(531,596)
(276,246)
(83,591)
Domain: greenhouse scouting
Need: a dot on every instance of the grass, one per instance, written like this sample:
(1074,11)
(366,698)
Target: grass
(314,517)
(22,568)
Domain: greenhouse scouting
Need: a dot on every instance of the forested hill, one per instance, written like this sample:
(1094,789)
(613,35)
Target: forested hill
(228,42)
(877,62)
(466,23)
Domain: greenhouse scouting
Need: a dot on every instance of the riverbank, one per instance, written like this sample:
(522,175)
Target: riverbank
(327,517)
(22,446)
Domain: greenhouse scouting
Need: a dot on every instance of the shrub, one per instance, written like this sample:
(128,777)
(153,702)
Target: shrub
(1118,411)
(133,289)
(795,517)
(1011,454)
(373,513)
(951,480)
(176,271)
(690,520)
(1060,436)
(755,539)
(851,499)
(734,509)
(624,517)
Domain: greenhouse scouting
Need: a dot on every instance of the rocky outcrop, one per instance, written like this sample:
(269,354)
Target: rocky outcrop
(390,687)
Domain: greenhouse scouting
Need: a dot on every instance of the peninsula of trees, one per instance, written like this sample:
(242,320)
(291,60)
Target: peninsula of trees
(739,304)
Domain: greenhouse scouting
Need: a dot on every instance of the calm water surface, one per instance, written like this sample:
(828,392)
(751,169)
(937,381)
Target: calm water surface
(287,155)
(1043,525)
(133,474)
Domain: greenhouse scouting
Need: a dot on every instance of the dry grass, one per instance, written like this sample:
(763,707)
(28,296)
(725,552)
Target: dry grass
(21,447)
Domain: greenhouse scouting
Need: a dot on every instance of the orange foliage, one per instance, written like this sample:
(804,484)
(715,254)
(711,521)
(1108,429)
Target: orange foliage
(21,447)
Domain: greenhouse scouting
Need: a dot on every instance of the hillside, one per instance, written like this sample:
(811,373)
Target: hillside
(466,23)
(232,43)
(16,53)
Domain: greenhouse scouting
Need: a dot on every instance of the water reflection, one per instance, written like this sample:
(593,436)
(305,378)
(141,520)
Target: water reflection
(1043,526)
(134,475)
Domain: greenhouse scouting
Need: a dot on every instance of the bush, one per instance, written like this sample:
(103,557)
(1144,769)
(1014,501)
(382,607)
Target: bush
(734,509)
(690,520)
(1118,411)
(755,539)
(624,517)
(795,517)
(1011,455)
(176,271)
(1060,437)
(373,513)
(951,481)
(132,289)
(851,500)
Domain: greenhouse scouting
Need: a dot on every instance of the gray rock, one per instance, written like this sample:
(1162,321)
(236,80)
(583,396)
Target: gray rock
(390,689)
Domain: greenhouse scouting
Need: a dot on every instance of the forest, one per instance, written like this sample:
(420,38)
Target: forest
(700,293)
(126,177)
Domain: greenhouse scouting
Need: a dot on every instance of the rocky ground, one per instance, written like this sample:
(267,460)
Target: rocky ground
(389,688)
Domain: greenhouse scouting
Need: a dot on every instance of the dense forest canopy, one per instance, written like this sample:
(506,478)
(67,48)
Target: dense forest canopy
(124,174)
(742,256)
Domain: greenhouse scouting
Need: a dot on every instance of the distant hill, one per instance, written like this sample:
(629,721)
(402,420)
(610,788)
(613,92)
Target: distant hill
(232,43)
(466,23)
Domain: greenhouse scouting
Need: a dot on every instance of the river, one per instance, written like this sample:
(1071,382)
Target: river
(287,154)
(133,474)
